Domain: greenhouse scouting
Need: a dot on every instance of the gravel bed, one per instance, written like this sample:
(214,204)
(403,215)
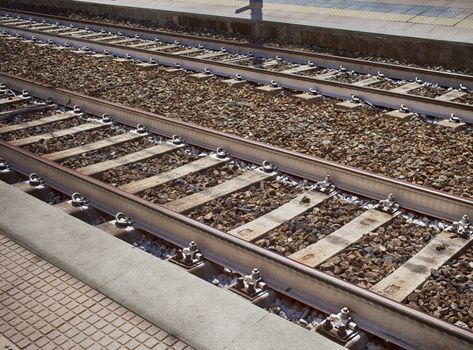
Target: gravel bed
(155,246)
(195,54)
(386,84)
(467,99)
(43,129)
(193,183)
(69,141)
(223,58)
(349,78)
(109,153)
(224,278)
(428,91)
(149,47)
(309,227)
(226,213)
(296,312)
(448,293)
(420,153)
(55,197)
(312,73)
(27,117)
(137,171)
(279,67)
(14,105)
(379,253)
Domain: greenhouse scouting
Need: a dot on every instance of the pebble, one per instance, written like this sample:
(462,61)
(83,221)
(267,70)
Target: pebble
(155,246)
(296,312)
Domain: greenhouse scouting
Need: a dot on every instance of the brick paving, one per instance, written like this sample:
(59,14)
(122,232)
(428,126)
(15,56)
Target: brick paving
(43,307)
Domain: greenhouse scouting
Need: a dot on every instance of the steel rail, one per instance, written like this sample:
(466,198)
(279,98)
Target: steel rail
(380,316)
(301,57)
(384,98)
(410,196)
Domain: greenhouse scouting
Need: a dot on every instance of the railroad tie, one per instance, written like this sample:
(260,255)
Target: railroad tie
(402,282)
(317,253)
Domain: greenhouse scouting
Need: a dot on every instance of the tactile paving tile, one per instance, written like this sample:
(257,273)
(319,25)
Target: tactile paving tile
(43,307)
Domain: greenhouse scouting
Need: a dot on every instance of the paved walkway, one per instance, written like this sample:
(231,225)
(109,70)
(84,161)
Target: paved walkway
(432,19)
(43,307)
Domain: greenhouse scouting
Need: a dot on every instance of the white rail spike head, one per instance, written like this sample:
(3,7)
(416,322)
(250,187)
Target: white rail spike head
(463,227)
(388,205)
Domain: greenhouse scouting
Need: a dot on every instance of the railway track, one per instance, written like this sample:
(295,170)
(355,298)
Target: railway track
(243,215)
(429,92)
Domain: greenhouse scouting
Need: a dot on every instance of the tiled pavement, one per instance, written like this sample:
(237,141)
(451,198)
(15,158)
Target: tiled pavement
(42,307)
(430,19)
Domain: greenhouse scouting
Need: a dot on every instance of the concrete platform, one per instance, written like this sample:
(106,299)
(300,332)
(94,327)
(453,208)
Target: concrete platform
(380,27)
(192,310)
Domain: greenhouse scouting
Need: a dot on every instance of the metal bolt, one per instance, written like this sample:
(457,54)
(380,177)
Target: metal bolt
(140,129)
(268,167)
(77,200)
(404,109)
(35,180)
(4,165)
(77,110)
(176,140)
(106,118)
(221,153)
(453,118)
(122,221)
